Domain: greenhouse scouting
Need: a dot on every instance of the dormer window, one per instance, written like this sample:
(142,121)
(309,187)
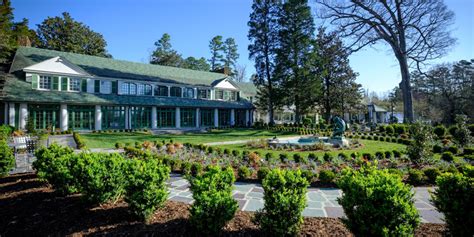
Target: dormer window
(124,88)
(141,89)
(188,93)
(105,87)
(219,94)
(74,84)
(44,82)
(133,89)
(148,90)
(204,94)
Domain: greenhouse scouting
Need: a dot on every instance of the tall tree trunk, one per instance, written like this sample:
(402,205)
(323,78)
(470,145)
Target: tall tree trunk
(327,103)
(405,86)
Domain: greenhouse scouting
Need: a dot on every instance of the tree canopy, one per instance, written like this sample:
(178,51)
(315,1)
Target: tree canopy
(164,54)
(216,46)
(68,35)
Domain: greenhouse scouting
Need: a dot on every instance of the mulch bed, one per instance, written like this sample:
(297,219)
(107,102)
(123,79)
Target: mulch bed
(28,206)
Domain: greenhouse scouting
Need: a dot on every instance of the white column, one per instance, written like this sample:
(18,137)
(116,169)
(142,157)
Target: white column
(198,113)
(182,92)
(23,115)
(98,118)
(154,120)
(11,114)
(216,117)
(63,117)
(178,117)
(195,93)
(232,117)
(169,91)
(247,117)
(213,94)
(127,118)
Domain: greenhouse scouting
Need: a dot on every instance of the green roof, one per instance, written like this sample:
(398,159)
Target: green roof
(108,67)
(18,90)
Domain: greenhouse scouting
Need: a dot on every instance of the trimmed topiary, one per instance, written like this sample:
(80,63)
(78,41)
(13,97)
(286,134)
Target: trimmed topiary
(377,203)
(213,204)
(447,156)
(7,158)
(415,177)
(431,174)
(326,176)
(244,172)
(285,200)
(454,198)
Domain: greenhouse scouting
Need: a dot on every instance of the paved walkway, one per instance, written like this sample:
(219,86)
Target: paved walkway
(247,140)
(63,140)
(321,202)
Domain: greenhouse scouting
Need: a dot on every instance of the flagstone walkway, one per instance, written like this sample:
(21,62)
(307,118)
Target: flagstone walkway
(321,202)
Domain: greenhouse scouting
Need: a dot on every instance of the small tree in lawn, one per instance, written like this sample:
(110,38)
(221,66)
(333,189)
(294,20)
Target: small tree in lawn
(420,150)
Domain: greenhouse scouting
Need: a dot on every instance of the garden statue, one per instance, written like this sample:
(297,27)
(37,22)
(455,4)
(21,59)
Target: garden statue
(339,127)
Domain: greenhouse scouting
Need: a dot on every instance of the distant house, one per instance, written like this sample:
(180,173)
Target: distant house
(61,91)
(377,114)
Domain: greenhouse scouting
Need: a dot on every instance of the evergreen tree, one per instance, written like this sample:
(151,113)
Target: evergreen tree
(196,64)
(216,46)
(340,92)
(66,34)
(263,29)
(164,53)
(296,61)
(12,34)
(231,55)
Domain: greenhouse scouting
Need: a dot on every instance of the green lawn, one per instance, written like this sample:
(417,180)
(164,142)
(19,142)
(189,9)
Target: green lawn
(108,140)
(369,147)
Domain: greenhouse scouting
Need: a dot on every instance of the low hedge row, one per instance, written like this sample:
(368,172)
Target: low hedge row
(79,141)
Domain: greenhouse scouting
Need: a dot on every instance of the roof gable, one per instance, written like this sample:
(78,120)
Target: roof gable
(57,65)
(225,83)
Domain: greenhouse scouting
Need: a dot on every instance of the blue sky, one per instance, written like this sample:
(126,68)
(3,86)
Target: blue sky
(131,27)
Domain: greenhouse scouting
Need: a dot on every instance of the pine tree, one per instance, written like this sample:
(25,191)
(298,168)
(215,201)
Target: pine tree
(216,46)
(296,60)
(164,53)
(230,55)
(263,30)
(340,92)
(196,64)
(66,34)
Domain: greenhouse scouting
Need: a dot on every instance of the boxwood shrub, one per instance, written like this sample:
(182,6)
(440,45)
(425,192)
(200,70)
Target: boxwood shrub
(146,188)
(447,156)
(100,176)
(453,149)
(244,172)
(327,176)
(285,200)
(262,173)
(7,159)
(454,198)
(415,177)
(377,203)
(431,174)
(213,204)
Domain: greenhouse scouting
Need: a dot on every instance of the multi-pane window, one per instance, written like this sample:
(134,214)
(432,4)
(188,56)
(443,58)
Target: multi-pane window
(141,89)
(105,87)
(224,117)
(133,89)
(148,90)
(74,84)
(44,116)
(207,117)
(188,117)
(44,82)
(161,91)
(140,117)
(113,117)
(204,94)
(233,95)
(81,117)
(188,93)
(219,94)
(175,91)
(124,88)
(166,117)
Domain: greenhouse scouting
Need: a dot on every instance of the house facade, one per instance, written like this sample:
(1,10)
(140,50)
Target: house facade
(61,91)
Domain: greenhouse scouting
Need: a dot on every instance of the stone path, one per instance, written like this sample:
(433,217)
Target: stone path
(23,163)
(63,140)
(321,202)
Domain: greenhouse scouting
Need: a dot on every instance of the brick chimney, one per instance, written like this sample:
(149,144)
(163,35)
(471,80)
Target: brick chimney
(224,70)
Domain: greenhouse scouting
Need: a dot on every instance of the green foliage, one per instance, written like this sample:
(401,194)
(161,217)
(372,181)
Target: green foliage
(196,169)
(440,131)
(327,176)
(431,174)
(5,131)
(327,157)
(146,188)
(389,129)
(437,148)
(453,149)
(415,177)
(100,176)
(213,206)
(262,173)
(388,154)
(452,130)
(447,156)
(164,54)
(399,128)
(7,159)
(419,151)
(462,135)
(454,198)
(244,172)
(78,139)
(118,145)
(285,199)
(67,35)
(377,203)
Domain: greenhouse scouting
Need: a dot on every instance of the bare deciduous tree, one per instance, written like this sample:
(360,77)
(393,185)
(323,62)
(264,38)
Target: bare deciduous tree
(415,30)
(240,73)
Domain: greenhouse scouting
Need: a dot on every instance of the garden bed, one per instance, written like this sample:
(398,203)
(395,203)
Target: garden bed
(30,206)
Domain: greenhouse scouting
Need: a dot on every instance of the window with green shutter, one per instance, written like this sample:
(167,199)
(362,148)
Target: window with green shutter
(97,86)
(114,87)
(55,83)
(34,81)
(84,85)
(64,83)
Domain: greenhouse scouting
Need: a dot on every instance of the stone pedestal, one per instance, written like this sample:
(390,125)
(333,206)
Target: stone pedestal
(340,141)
